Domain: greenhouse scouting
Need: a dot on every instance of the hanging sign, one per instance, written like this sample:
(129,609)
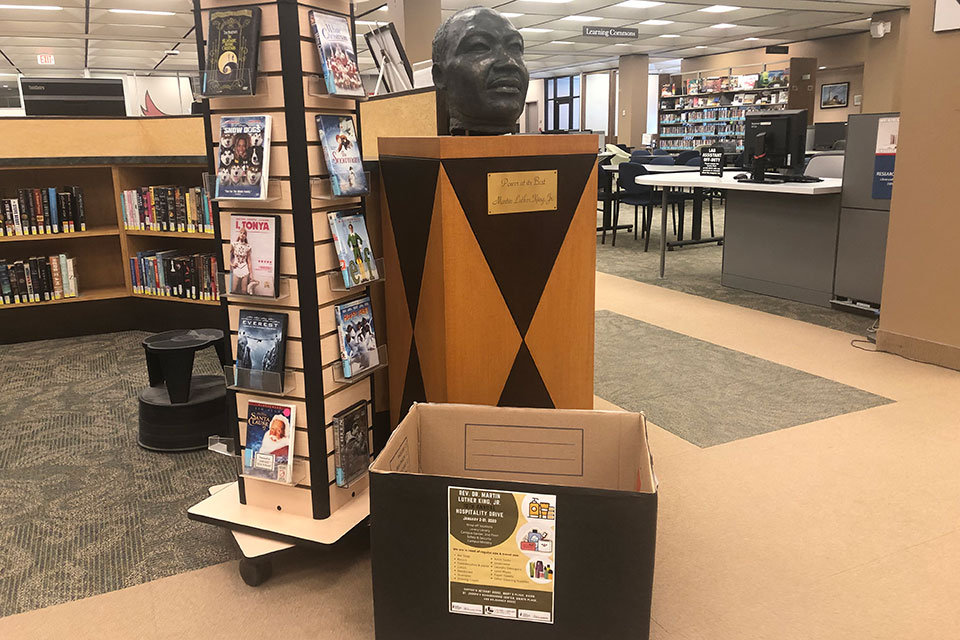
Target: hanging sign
(45,58)
(620,33)
(711,162)
(888,132)
(502,549)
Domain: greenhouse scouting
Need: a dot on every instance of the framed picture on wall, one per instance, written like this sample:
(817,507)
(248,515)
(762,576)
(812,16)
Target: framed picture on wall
(947,15)
(835,96)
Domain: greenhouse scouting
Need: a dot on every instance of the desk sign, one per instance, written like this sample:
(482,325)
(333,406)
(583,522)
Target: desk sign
(521,191)
(711,162)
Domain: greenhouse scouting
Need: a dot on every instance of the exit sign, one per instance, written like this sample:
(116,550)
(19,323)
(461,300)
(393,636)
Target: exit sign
(45,58)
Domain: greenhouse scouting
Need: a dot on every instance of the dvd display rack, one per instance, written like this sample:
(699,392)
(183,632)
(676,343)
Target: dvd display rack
(313,509)
(103,157)
(704,108)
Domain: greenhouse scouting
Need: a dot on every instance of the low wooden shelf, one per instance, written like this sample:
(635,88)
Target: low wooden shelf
(98,232)
(87,295)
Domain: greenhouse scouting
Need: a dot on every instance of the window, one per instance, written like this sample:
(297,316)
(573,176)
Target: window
(10,94)
(563,103)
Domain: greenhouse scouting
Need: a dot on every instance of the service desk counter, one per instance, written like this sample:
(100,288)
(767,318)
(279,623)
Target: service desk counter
(779,239)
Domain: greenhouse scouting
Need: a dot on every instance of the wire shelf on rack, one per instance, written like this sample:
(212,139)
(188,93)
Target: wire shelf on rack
(223,278)
(317,87)
(339,376)
(231,448)
(322,189)
(210,184)
(337,279)
(256,381)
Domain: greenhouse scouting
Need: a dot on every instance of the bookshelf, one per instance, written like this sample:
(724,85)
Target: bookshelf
(709,107)
(103,156)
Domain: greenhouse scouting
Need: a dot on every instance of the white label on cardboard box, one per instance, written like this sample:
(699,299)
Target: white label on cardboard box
(502,547)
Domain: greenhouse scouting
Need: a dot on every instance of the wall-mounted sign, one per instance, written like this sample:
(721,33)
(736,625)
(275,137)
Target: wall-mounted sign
(521,191)
(711,162)
(45,58)
(888,133)
(612,32)
(947,15)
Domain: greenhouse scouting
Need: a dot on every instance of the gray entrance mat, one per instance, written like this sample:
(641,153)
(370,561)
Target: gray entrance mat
(707,394)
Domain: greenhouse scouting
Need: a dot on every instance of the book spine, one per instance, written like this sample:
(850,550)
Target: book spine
(57,277)
(45,204)
(41,276)
(44,265)
(81,217)
(22,273)
(51,199)
(6,290)
(72,277)
(38,210)
(8,229)
(32,285)
(17,219)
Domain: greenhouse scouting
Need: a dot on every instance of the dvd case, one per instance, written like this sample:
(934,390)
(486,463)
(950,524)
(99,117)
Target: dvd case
(358,339)
(357,263)
(254,255)
(233,48)
(261,347)
(268,448)
(352,443)
(338,57)
(243,166)
(341,150)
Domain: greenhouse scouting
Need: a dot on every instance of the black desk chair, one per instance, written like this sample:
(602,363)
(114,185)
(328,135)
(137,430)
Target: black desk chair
(684,157)
(637,195)
(660,152)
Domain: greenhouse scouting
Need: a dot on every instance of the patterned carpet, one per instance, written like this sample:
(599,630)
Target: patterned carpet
(696,270)
(83,509)
(707,394)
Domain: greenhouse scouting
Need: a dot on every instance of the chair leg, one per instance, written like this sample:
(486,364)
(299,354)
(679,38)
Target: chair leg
(680,232)
(636,218)
(649,223)
(616,223)
(711,218)
(673,208)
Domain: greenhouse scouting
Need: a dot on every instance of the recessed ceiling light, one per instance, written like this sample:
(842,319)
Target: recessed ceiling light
(535,30)
(622,44)
(561,42)
(582,18)
(822,68)
(657,23)
(171,52)
(723,25)
(751,39)
(30,7)
(669,35)
(701,46)
(719,8)
(143,12)
(639,4)
(507,14)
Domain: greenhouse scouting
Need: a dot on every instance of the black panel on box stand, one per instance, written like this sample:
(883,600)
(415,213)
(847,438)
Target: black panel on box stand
(259,532)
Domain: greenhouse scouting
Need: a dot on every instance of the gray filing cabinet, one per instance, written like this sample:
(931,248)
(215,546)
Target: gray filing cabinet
(862,242)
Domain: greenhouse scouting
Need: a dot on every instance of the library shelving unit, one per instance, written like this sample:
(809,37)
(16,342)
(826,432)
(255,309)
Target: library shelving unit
(703,108)
(267,516)
(103,156)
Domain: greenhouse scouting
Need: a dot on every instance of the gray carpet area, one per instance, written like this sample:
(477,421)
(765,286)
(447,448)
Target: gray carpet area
(707,394)
(696,270)
(83,509)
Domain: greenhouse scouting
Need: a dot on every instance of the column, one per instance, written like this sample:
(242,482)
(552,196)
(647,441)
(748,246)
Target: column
(632,116)
(416,22)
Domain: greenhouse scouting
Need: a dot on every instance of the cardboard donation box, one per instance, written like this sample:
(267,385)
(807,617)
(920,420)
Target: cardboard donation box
(491,522)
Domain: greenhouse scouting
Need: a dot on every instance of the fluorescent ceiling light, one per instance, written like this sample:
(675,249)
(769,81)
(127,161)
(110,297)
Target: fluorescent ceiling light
(143,12)
(561,42)
(657,23)
(535,30)
(507,14)
(822,68)
(751,39)
(669,35)
(701,46)
(31,7)
(723,25)
(639,4)
(719,8)
(582,18)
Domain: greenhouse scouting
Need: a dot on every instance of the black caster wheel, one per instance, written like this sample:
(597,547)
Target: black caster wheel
(255,571)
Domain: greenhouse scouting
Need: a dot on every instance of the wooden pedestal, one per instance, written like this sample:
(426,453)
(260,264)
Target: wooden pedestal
(488,309)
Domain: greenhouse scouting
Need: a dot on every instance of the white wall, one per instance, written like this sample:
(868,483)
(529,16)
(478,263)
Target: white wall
(169,96)
(534,94)
(653,102)
(595,94)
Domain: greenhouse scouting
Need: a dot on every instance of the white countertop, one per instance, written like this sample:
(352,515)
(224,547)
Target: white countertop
(684,180)
(656,168)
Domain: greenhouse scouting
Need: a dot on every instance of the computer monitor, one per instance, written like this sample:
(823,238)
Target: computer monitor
(827,134)
(775,142)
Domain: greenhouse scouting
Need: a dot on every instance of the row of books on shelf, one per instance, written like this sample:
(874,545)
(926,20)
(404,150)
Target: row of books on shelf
(44,211)
(170,274)
(746,82)
(720,114)
(261,351)
(719,129)
(38,279)
(271,437)
(167,208)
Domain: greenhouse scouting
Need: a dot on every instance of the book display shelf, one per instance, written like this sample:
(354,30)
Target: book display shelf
(704,108)
(313,509)
(103,157)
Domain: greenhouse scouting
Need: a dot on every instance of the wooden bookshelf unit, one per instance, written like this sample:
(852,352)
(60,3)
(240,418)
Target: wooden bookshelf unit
(103,156)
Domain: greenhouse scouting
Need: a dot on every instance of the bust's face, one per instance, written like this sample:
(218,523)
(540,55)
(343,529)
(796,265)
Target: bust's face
(483,73)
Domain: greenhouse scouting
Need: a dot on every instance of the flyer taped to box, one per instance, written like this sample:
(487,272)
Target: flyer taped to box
(502,546)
